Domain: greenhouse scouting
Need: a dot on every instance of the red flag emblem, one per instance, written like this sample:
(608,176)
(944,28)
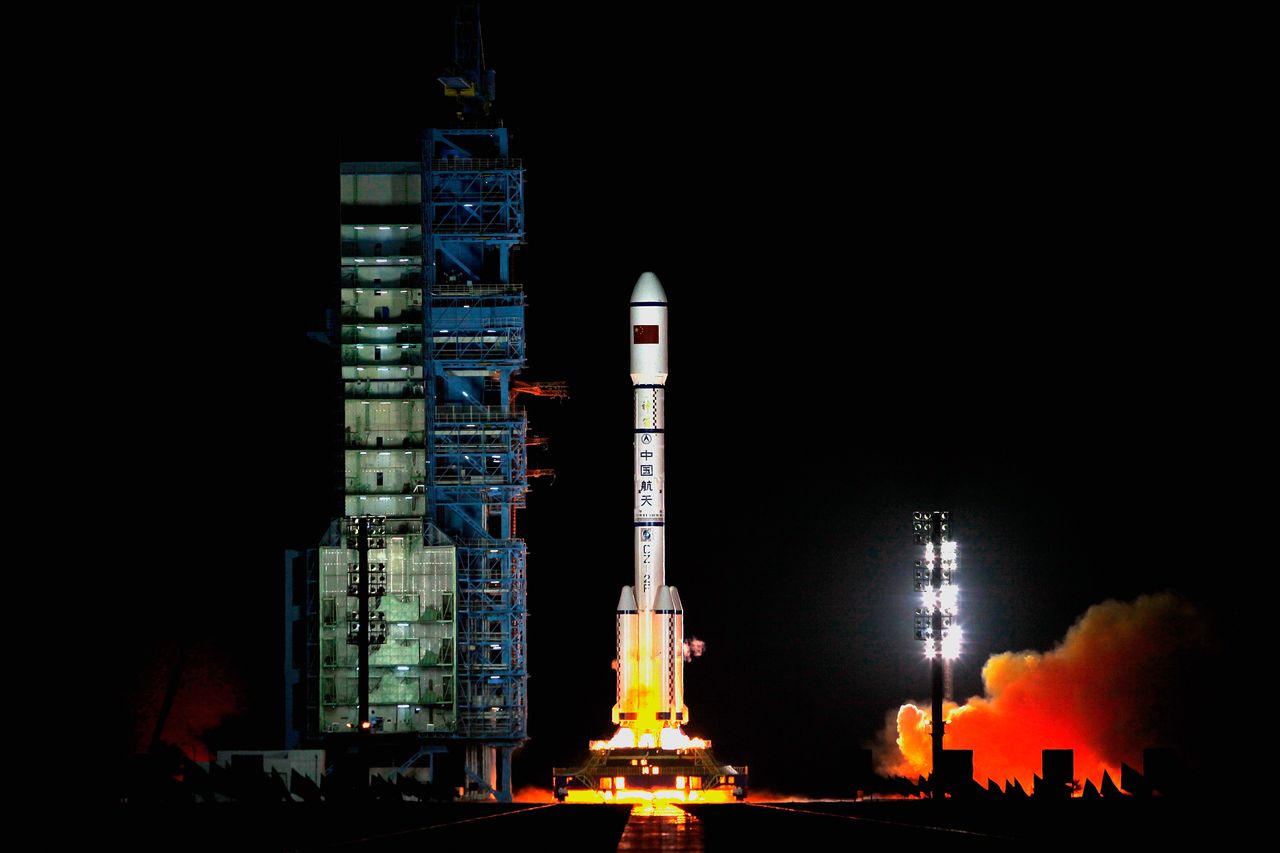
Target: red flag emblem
(645,335)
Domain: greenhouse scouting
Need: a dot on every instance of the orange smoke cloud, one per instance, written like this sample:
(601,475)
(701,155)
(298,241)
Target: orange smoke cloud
(1116,684)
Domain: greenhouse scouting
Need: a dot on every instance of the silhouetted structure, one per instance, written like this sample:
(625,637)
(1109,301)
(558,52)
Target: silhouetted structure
(1058,769)
(957,772)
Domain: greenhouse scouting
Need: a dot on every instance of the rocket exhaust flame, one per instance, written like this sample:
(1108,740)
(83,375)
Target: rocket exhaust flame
(669,738)
(1111,688)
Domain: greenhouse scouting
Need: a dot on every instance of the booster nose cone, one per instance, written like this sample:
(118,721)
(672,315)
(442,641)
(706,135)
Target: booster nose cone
(648,289)
(662,602)
(627,601)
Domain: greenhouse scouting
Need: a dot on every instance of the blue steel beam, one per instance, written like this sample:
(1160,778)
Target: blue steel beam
(473,324)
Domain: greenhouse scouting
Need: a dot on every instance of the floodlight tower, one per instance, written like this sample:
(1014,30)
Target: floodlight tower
(936,617)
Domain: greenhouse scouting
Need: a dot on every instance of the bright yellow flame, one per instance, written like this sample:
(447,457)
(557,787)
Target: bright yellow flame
(623,738)
(659,799)
(676,739)
(669,794)
(668,738)
(659,808)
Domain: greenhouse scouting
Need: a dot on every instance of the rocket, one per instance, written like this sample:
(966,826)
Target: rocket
(650,637)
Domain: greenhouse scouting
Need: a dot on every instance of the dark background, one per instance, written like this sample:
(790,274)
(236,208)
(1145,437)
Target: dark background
(993,275)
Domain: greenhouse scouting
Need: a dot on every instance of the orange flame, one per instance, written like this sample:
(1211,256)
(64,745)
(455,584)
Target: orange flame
(661,798)
(668,738)
(1106,691)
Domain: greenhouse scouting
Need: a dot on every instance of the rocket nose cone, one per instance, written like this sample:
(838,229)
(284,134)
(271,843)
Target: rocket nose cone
(648,289)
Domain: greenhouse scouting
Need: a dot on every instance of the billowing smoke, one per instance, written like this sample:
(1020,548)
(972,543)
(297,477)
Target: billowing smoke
(1121,680)
(693,648)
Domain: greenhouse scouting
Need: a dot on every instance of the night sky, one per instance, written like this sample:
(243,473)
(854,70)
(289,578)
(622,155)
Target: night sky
(991,282)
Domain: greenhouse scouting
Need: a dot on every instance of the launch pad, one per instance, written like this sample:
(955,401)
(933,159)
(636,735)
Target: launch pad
(690,775)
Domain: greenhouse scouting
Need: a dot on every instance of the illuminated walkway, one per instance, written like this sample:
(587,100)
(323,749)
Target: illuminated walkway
(662,828)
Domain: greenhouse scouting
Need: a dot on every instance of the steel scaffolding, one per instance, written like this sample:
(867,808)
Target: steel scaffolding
(477,471)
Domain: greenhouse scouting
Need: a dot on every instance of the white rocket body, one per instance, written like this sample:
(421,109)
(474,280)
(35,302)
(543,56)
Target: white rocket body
(650,616)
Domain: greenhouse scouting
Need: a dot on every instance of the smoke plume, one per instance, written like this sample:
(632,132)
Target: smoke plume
(1121,680)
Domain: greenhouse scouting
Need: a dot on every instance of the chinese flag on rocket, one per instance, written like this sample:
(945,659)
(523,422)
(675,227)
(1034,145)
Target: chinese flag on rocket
(645,335)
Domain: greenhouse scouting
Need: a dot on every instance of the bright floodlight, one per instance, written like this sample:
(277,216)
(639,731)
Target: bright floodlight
(951,644)
(935,580)
(948,596)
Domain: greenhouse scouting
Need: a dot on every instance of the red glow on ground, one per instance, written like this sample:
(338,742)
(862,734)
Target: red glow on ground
(659,808)
(533,794)
(209,692)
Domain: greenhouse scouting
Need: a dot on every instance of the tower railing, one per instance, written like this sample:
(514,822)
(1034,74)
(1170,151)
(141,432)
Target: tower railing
(465,288)
(479,414)
(410,314)
(474,164)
